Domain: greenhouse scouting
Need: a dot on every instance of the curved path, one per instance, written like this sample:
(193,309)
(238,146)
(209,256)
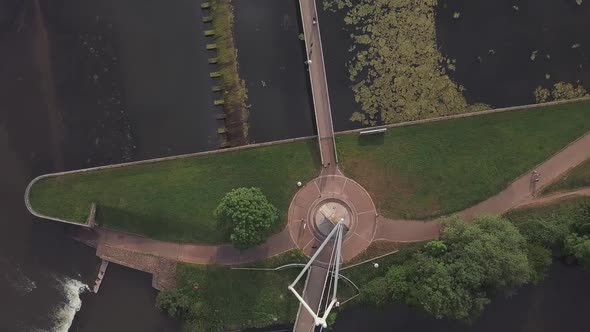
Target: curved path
(304,207)
(185,252)
(520,192)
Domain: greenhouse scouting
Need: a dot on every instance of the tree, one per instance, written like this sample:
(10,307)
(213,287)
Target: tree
(247,216)
(457,275)
(579,247)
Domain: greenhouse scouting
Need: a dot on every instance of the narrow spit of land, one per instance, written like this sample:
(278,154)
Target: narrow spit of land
(412,172)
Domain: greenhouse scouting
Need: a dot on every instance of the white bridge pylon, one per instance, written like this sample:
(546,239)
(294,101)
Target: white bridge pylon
(333,270)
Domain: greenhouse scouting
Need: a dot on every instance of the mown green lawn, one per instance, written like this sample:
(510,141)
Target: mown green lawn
(433,169)
(576,178)
(174,200)
(236,299)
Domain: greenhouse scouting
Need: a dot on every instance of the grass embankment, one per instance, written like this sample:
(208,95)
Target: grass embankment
(238,299)
(437,168)
(174,200)
(578,177)
(234,94)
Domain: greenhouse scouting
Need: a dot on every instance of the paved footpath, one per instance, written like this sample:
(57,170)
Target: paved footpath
(319,82)
(185,252)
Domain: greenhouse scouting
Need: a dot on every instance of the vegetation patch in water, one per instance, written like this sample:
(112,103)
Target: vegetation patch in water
(234,88)
(560,91)
(397,70)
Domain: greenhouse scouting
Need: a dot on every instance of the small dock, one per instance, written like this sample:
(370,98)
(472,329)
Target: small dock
(101,271)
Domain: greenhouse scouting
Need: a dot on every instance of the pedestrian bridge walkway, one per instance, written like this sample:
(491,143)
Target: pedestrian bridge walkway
(319,82)
(314,285)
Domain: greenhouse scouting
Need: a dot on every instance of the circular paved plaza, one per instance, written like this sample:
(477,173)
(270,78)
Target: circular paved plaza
(321,203)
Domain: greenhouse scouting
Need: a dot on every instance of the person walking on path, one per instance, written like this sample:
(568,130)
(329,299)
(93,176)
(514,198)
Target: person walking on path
(535,178)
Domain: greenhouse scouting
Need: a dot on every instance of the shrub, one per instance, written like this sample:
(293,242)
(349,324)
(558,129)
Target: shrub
(563,91)
(560,91)
(247,215)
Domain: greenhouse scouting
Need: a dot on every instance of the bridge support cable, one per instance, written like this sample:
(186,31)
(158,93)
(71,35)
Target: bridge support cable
(335,234)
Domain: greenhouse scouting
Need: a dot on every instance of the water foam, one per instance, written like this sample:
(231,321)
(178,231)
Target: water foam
(64,314)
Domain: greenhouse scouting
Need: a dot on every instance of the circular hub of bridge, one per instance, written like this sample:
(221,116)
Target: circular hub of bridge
(321,203)
(329,212)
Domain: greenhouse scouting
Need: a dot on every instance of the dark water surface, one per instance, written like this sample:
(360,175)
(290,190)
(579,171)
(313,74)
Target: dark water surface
(88,83)
(505,38)
(131,78)
(336,43)
(559,303)
(271,59)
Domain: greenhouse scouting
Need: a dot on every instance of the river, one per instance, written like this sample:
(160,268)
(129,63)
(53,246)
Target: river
(70,98)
